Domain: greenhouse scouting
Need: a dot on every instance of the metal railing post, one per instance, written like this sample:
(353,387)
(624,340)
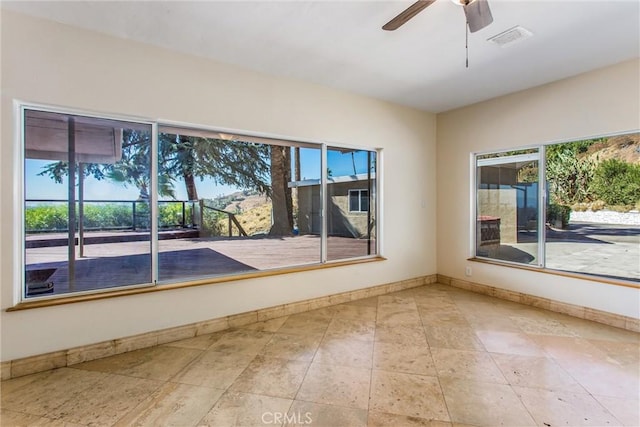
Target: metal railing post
(133,213)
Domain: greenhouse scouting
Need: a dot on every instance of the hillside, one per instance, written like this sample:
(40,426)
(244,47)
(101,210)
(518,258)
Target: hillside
(242,202)
(251,209)
(624,147)
(253,212)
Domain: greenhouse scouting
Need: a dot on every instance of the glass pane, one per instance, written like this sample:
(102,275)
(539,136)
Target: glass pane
(593,224)
(351,188)
(86,203)
(229,205)
(507,208)
(364,200)
(354,200)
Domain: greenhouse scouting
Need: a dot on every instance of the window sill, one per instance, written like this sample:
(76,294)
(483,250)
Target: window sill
(70,299)
(592,278)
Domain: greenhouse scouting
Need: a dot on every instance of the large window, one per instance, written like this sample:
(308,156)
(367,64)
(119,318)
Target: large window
(585,219)
(109,203)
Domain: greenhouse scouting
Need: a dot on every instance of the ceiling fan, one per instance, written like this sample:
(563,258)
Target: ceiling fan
(477,12)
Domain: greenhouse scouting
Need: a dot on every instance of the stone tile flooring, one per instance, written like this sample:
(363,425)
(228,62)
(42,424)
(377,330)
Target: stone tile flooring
(429,356)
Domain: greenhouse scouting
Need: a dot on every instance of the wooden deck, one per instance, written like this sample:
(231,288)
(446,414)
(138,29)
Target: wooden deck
(126,263)
(98,237)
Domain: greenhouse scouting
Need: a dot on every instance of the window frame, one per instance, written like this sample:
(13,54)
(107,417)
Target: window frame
(19,233)
(20,294)
(360,191)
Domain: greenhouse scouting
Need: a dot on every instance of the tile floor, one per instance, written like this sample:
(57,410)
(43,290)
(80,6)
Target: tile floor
(429,356)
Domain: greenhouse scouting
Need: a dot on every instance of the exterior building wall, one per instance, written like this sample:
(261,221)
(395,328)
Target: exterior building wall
(341,222)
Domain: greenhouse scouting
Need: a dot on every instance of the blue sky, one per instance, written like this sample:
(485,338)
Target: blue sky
(43,187)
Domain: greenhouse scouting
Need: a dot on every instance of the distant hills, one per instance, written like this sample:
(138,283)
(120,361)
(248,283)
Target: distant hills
(252,210)
(623,147)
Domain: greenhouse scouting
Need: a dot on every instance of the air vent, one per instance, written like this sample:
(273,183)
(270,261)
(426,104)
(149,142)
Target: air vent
(510,36)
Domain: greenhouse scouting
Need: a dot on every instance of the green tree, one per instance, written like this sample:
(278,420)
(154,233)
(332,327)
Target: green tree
(132,169)
(237,163)
(260,167)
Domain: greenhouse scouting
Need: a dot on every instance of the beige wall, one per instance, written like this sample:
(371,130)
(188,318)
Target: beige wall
(596,103)
(49,63)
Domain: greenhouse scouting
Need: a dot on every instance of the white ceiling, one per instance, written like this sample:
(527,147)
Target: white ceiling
(341,43)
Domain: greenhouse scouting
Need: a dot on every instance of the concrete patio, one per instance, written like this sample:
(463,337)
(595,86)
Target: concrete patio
(603,249)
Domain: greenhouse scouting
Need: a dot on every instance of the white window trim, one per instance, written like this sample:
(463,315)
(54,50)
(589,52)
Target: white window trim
(517,158)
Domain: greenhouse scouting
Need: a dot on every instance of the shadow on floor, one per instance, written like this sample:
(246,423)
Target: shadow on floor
(107,272)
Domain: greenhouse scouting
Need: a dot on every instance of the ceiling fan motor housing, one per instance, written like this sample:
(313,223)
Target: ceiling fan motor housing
(477,13)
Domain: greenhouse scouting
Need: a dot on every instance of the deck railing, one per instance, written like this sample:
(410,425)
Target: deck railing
(231,218)
(136,217)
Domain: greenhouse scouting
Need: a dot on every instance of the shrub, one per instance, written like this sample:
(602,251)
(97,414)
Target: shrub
(170,214)
(620,208)
(594,206)
(617,182)
(46,217)
(559,213)
(110,215)
(580,207)
(214,223)
(569,178)
(598,205)
(55,217)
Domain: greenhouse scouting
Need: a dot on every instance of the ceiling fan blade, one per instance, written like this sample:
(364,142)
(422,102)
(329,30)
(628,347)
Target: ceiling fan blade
(407,14)
(478,15)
